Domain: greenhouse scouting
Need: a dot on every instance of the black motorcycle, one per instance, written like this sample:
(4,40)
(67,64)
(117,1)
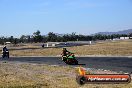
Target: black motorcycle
(5,54)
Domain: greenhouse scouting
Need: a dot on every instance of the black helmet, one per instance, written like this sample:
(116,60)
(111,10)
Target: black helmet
(64,48)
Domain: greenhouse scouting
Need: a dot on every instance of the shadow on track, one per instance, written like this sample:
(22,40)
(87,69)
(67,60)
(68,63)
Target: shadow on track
(76,64)
(81,64)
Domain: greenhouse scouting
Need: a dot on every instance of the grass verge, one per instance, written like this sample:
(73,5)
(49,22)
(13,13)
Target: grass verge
(113,48)
(29,75)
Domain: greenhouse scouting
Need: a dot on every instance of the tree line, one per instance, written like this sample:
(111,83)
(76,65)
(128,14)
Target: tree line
(54,37)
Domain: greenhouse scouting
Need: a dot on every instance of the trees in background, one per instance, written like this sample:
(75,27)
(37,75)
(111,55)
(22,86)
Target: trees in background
(25,39)
(2,40)
(37,36)
(54,37)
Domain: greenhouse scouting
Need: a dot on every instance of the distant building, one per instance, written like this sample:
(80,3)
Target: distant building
(130,38)
(122,38)
(6,43)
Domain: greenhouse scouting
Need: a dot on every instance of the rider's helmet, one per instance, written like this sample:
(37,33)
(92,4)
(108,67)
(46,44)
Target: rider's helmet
(64,48)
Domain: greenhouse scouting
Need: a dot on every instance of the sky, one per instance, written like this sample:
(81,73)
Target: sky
(23,17)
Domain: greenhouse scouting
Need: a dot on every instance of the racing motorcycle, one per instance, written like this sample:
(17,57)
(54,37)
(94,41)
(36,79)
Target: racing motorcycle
(5,54)
(70,59)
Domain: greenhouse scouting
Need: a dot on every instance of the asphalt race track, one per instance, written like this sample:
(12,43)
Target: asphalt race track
(109,63)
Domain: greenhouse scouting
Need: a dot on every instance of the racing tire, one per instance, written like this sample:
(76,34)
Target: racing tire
(81,80)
